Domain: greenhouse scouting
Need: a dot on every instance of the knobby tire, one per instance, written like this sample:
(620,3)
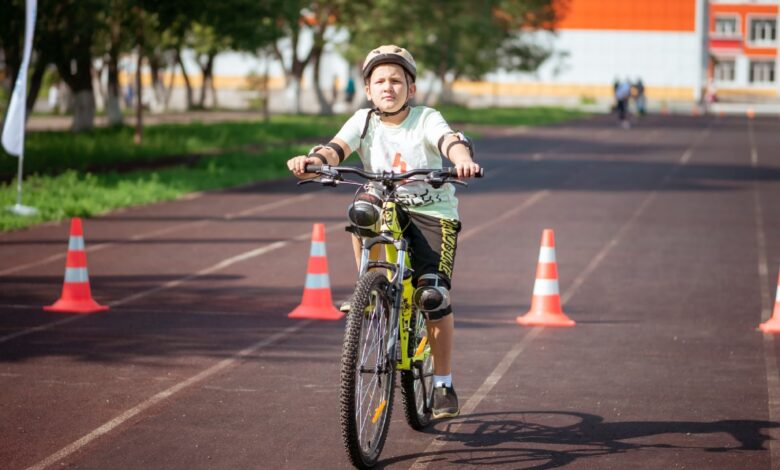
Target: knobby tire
(367,396)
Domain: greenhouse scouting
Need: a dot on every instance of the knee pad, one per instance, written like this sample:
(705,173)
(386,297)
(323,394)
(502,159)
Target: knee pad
(432,294)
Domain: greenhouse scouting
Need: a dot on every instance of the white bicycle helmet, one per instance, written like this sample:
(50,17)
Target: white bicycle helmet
(390,54)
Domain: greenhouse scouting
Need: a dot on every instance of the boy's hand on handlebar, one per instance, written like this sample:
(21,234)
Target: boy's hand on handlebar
(467,169)
(297,165)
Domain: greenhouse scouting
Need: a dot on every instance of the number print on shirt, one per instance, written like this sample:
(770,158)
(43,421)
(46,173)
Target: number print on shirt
(398,163)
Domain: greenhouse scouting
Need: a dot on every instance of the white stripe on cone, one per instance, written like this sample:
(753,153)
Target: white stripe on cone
(547,254)
(546,287)
(76,275)
(317,281)
(76,243)
(317,249)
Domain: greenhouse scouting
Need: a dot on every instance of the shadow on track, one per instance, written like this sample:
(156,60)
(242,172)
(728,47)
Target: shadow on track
(486,439)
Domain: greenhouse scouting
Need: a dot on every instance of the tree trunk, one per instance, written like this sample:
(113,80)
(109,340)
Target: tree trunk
(169,88)
(83,111)
(186,79)
(80,84)
(35,83)
(13,60)
(266,94)
(158,87)
(207,84)
(326,109)
(293,74)
(213,87)
(293,93)
(139,91)
(113,109)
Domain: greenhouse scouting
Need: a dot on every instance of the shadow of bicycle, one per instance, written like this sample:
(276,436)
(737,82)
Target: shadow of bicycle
(551,439)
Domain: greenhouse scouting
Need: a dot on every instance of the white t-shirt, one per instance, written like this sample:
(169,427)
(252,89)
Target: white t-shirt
(407,146)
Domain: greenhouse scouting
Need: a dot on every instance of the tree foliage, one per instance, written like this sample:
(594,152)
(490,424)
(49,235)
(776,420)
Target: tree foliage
(454,38)
(449,38)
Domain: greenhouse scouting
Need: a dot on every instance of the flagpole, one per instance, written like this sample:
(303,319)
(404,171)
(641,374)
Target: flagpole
(15,119)
(19,208)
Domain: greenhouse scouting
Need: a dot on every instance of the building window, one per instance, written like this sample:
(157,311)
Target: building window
(724,70)
(726,26)
(762,71)
(763,30)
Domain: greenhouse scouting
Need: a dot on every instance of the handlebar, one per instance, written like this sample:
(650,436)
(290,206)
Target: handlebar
(332,171)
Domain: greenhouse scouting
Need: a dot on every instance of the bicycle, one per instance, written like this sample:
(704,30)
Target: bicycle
(384,331)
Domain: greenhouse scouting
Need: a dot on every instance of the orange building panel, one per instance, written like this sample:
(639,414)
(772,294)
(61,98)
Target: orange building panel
(742,11)
(628,15)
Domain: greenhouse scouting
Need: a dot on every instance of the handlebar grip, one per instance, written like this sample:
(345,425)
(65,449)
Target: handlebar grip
(452,172)
(312,168)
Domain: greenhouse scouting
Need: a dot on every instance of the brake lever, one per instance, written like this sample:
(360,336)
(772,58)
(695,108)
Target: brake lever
(323,180)
(438,181)
(435,181)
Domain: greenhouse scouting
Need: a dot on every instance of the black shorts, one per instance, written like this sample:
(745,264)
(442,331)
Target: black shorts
(432,246)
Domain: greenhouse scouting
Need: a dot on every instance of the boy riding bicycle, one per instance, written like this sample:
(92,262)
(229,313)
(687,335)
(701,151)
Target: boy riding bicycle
(394,136)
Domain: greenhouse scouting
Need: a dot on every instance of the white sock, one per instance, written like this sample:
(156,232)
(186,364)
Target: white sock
(442,380)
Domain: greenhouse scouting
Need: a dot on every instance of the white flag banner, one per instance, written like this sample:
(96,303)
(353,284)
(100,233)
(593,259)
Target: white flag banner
(13,130)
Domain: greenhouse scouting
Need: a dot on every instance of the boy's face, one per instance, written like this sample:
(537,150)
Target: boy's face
(387,87)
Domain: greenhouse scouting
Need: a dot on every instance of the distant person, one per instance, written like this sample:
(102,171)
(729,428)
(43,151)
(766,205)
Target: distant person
(639,97)
(710,95)
(128,95)
(615,86)
(335,88)
(349,91)
(53,97)
(622,95)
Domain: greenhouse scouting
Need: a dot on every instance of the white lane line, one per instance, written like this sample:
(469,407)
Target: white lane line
(154,400)
(770,362)
(503,366)
(752,142)
(176,282)
(162,231)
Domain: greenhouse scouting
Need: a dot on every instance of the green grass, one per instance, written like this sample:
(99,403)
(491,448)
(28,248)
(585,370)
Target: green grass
(531,116)
(51,153)
(74,174)
(74,194)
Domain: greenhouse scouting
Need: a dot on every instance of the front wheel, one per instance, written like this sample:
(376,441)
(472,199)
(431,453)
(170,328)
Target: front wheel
(417,383)
(367,372)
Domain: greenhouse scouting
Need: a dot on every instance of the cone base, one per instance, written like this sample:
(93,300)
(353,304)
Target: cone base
(533,318)
(324,312)
(75,306)
(770,326)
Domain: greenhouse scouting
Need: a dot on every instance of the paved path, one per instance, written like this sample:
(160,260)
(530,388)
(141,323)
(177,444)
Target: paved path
(668,244)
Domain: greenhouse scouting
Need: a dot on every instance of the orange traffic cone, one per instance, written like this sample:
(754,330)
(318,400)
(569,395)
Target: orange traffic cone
(773,324)
(317,303)
(76,295)
(750,113)
(546,302)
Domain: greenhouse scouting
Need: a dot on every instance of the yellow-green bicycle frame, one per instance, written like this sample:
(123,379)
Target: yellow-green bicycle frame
(399,258)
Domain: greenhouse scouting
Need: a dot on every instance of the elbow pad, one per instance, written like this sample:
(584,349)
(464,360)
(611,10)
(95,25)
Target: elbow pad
(462,139)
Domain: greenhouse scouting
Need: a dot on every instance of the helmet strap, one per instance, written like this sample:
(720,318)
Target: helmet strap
(391,113)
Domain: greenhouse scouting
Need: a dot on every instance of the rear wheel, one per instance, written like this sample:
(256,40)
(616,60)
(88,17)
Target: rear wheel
(417,383)
(367,372)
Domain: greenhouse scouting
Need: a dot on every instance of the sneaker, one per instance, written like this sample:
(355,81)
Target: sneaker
(445,402)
